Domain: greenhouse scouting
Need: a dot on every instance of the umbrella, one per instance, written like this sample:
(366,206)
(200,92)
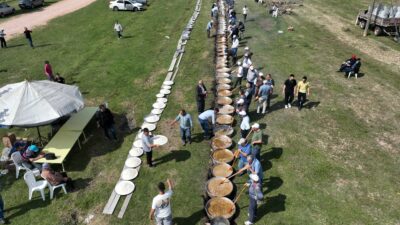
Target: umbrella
(37,103)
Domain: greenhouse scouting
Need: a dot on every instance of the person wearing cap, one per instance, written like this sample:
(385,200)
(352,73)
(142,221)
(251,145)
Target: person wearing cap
(271,83)
(2,39)
(56,178)
(148,145)
(252,76)
(245,124)
(302,90)
(185,125)
(201,95)
(248,52)
(255,195)
(209,27)
(256,141)
(234,48)
(161,205)
(204,118)
(244,149)
(29,157)
(288,90)
(348,63)
(239,75)
(246,63)
(262,97)
(105,119)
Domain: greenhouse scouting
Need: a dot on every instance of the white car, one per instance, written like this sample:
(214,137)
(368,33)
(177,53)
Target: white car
(117,5)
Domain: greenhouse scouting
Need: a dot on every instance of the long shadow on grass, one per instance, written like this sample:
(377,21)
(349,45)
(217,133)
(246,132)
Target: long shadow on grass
(272,204)
(266,158)
(178,155)
(192,219)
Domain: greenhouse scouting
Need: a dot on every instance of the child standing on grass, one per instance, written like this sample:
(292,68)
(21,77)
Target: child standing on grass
(118,29)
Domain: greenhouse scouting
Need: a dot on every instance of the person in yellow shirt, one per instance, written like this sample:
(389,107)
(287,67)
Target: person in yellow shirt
(303,89)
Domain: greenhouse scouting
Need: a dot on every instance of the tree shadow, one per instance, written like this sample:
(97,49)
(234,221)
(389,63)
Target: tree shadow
(178,155)
(273,204)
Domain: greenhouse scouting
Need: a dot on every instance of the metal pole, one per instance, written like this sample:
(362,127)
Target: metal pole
(40,137)
(370,10)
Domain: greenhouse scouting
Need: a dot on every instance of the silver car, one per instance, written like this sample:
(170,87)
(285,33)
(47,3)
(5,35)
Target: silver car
(30,4)
(6,9)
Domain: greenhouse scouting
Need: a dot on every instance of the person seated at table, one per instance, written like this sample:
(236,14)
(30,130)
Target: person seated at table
(19,146)
(56,178)
(29,157)
(346,65)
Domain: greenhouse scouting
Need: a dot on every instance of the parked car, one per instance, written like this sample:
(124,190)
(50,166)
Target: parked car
(143,2)
(6,9)
(30,4)
(128,5)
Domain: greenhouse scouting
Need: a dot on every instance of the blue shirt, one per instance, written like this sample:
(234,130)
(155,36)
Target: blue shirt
(264,91)
(146,142)
(207,115)
(184,121)
(245,149)
(256,166)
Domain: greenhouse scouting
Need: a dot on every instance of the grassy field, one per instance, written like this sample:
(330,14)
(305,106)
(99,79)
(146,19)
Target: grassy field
(335,162)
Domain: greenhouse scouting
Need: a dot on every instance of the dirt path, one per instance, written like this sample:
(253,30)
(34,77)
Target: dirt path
(15,26)
(372,48)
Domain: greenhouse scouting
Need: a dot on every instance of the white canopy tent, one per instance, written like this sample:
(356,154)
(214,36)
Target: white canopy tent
(36,103)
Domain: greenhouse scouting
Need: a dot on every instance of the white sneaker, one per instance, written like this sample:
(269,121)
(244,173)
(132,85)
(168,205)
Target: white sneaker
(286,106)
(248,223)
(290,106)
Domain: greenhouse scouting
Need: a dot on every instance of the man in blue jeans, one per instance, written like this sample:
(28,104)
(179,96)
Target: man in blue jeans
(255,195)
(1,210)
(185,125)
(204,119)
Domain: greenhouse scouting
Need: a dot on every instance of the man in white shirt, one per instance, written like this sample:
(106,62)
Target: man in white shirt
(246,64)
(245,124)
(245,11)
(239,75)
(234,48)
(161,205)
(118,29)
(204,119)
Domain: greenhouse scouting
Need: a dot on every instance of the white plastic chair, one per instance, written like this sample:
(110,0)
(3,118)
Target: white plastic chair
(52,188)
(17,160)
(34,185)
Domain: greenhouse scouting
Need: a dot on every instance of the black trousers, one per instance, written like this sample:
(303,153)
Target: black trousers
(301,98)
(200,105)
(149,158)
(238,81)
(289,96)
(3,43)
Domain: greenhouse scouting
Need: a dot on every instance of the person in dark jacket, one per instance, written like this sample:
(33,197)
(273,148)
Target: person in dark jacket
(201,94)
(105,119)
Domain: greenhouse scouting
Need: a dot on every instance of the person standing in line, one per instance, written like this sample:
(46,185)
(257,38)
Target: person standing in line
(2,221)
(246,63)
(28,36)
(3,39)
(262,97)
(185,125)
(48,71)
(118,29)
(248,52)
(244,149)
(161,205)
(252,76)
(245,124)
(234,48)
(239,75)
(245,11)
(248,94)
(209,27)
(271,83)
(201,94)
(148,145)
(258,83)
(204,119)
(255,195)
(303,89)
(105,119)
(288,90)
(256,141)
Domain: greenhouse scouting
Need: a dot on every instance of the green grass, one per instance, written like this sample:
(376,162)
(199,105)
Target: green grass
(336,163)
